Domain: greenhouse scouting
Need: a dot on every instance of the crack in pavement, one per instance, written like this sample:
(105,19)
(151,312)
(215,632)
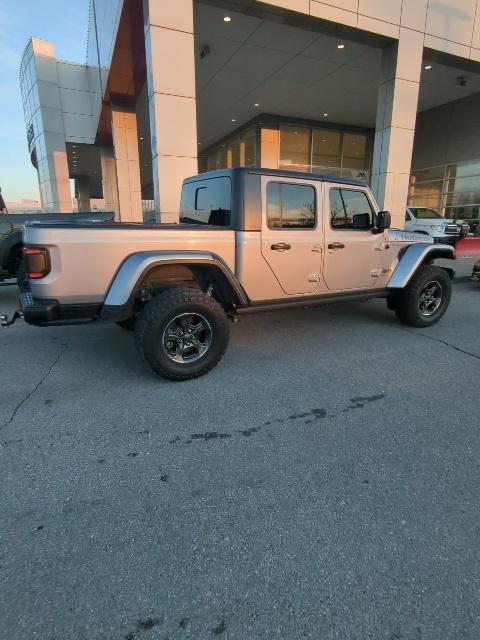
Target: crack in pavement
(36,387)
(447,344)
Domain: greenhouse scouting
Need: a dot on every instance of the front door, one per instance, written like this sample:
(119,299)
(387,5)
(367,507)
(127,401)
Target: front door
(354,256)
(291,233)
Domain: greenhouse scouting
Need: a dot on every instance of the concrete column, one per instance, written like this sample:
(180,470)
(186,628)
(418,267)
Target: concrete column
(109,180)
(43,114)
(83,190)
(269,147)
(127,164)
(172,99)
(395,125)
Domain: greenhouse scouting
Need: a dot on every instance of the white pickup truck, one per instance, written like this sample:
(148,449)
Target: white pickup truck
(431,223)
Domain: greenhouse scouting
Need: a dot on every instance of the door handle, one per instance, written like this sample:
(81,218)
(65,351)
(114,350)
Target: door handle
(336,246)
(280,246)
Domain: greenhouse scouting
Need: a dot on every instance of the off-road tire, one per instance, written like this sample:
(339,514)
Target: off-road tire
(128,324)
(22,281)
(392,302)
(407,301)
(158,314)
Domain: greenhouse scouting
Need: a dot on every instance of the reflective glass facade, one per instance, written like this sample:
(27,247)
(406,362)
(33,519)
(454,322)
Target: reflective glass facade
(104,18)
(300,148)
(453,189)
(239,151)
(317,150)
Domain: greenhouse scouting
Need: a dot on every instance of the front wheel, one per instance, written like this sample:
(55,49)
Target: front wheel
(426,298)
(182,333)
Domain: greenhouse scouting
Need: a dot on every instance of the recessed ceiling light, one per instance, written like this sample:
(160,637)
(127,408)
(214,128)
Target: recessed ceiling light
(340,46)
(227,19)
(325,115)
(199,143)
(256,104)
(428,66)
(234,119)
(140,138)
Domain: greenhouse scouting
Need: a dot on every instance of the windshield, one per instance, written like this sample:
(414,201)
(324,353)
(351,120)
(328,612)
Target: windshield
(424,213)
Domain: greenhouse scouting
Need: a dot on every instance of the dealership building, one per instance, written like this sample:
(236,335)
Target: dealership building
(387,91)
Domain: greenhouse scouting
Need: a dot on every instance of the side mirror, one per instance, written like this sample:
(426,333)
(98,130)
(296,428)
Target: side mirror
(384,220)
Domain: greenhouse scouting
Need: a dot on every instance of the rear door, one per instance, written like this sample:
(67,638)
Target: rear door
(291,233)
(353,254)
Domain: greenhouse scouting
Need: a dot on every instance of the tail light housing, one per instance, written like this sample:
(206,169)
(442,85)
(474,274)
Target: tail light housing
(37,262)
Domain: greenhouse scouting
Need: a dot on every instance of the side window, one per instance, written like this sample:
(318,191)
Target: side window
(291,206)
(207,202)
(350,209)
(407,217)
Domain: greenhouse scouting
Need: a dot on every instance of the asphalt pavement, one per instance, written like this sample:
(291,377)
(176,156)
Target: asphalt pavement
(322,482)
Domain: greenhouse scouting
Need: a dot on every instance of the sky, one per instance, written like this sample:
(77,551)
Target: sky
(63,22)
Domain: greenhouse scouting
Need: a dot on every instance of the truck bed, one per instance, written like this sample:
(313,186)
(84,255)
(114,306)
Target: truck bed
(86,257)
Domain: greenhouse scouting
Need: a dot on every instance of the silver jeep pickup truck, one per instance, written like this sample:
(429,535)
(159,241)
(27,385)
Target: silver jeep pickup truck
(247,240)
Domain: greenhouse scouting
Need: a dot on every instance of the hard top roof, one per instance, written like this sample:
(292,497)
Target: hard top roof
(282,173)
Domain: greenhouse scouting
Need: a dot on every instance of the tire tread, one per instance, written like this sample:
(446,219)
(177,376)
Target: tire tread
(406,300)
(161,305)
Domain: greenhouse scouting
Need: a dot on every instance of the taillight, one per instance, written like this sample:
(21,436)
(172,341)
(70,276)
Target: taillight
(37,262)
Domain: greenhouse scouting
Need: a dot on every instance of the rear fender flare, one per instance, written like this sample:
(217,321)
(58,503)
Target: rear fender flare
(413,257)
(120,300)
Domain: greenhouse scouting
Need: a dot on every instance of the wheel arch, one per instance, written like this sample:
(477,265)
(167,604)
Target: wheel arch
(416,255)
(142,275)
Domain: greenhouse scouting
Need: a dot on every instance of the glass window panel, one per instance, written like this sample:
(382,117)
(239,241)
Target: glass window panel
(354,145)
(350,209)
(467,213)
(354,163)
(326,148)
(433,173)
(274,210)
(337,210)
(464,184)
(250,152)
(295,148)
(327,162)
(206,202)
(425,213)
(234,153)
(212,161)
(468,169)
(290,206)
(469,197)
(426,201)
(202,164)
(222,157)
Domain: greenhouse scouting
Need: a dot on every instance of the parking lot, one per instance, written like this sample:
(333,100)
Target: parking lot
(322,482)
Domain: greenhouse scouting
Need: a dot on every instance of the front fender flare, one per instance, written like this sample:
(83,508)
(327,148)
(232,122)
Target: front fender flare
(414,256)
(120,300)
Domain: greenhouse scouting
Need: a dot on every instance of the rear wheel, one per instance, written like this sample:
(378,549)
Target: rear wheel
(182,333)
(426,298)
